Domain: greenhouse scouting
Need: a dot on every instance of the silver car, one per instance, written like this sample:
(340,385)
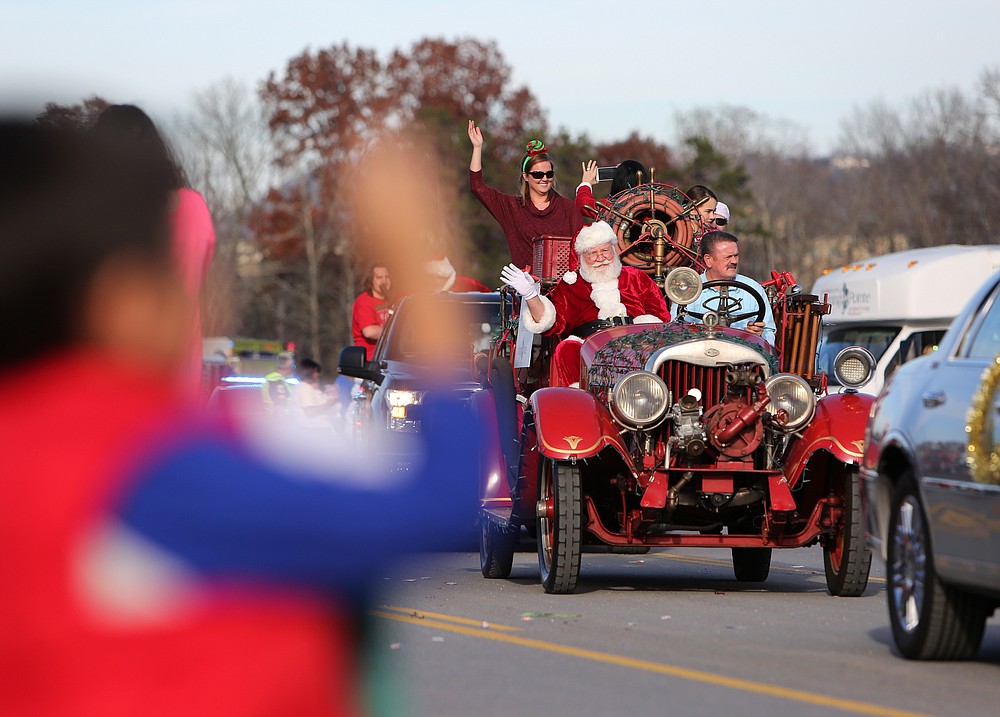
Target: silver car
(932,487)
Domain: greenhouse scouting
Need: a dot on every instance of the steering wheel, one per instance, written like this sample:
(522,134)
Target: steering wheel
(726,306)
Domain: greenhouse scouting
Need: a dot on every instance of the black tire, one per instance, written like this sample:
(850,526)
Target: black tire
(930,620)
(560,537)
(846,558)
(751,565)
(496,549)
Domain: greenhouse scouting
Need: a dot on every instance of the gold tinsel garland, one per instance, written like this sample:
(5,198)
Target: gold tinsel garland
(983,458)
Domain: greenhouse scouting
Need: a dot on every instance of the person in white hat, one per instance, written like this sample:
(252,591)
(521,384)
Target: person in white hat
(722,214)
(607,294)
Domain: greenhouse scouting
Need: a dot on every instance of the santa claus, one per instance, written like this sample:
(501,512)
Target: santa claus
(605,294)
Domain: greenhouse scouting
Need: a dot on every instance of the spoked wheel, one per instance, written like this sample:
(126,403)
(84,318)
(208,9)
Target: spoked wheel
(560,522)
(496,548)
(930,620)
(846,558)
(751,565)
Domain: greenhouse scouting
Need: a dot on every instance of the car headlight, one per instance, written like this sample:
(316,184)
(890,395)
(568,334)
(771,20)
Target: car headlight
(683,285)
(793,396)
(398,401)
(854,366)
(640,399)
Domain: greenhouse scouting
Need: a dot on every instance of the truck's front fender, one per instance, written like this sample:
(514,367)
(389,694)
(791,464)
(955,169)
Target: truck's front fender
(838,427)
(572,424)
(495,492)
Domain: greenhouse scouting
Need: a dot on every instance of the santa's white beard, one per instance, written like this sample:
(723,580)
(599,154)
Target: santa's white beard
(609,272)
(604,288)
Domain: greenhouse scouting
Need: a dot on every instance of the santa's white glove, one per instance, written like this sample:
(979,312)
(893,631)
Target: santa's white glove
(520,281)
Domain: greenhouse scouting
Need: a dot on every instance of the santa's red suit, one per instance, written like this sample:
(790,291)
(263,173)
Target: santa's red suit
(570,305)
(575,302)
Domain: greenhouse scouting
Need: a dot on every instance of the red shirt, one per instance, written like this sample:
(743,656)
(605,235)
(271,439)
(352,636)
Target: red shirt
(74,430)
(367,311)
(522,223)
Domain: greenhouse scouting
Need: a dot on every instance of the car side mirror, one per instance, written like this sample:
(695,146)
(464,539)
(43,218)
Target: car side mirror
(354,363)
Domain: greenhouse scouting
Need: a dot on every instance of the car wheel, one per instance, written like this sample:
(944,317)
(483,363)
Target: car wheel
(496,549)
(751,565)
(559,526)
(846,557)
(930,620)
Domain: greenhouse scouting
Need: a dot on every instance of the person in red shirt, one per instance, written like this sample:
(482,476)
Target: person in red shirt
(371,309)
(537,210)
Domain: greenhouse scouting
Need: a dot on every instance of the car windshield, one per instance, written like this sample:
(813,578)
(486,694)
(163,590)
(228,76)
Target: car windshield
(424,329)
(874,338)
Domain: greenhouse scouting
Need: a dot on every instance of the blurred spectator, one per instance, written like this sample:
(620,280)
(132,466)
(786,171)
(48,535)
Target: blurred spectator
(721,214)
(190,221)
(371,309)
(311,406)
(276,390)
(158,562)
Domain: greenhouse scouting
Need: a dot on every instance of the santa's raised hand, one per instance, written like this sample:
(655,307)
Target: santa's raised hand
(521,281)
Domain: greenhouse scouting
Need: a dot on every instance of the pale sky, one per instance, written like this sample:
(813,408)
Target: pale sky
(601,67)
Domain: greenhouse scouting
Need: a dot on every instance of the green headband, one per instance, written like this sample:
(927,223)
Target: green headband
(534,148)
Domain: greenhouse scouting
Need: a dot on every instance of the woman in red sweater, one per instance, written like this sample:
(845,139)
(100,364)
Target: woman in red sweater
(537,210)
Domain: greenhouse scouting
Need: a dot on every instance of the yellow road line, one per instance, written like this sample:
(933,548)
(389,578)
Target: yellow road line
(421,615)
(853,706)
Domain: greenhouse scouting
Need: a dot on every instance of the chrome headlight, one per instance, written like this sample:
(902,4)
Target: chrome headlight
(854,366)
(683,285)
(793,396)
(640,399)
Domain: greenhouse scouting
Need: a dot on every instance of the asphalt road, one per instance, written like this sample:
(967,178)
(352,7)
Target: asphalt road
(666,633)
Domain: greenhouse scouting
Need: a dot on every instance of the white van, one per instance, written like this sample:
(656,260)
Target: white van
(898,306)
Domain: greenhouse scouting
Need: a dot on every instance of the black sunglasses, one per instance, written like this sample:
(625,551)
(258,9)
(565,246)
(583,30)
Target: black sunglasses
(720,222)
(540,175)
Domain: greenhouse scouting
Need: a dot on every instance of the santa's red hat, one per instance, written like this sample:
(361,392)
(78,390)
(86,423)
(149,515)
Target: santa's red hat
(440,267)
(589,237)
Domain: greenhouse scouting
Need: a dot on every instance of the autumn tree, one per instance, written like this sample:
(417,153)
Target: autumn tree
(438,87)
(930,169)
(654,155)
(74,117)
(327,110)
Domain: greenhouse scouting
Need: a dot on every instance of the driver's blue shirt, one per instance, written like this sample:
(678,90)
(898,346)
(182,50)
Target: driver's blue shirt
(747,302)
